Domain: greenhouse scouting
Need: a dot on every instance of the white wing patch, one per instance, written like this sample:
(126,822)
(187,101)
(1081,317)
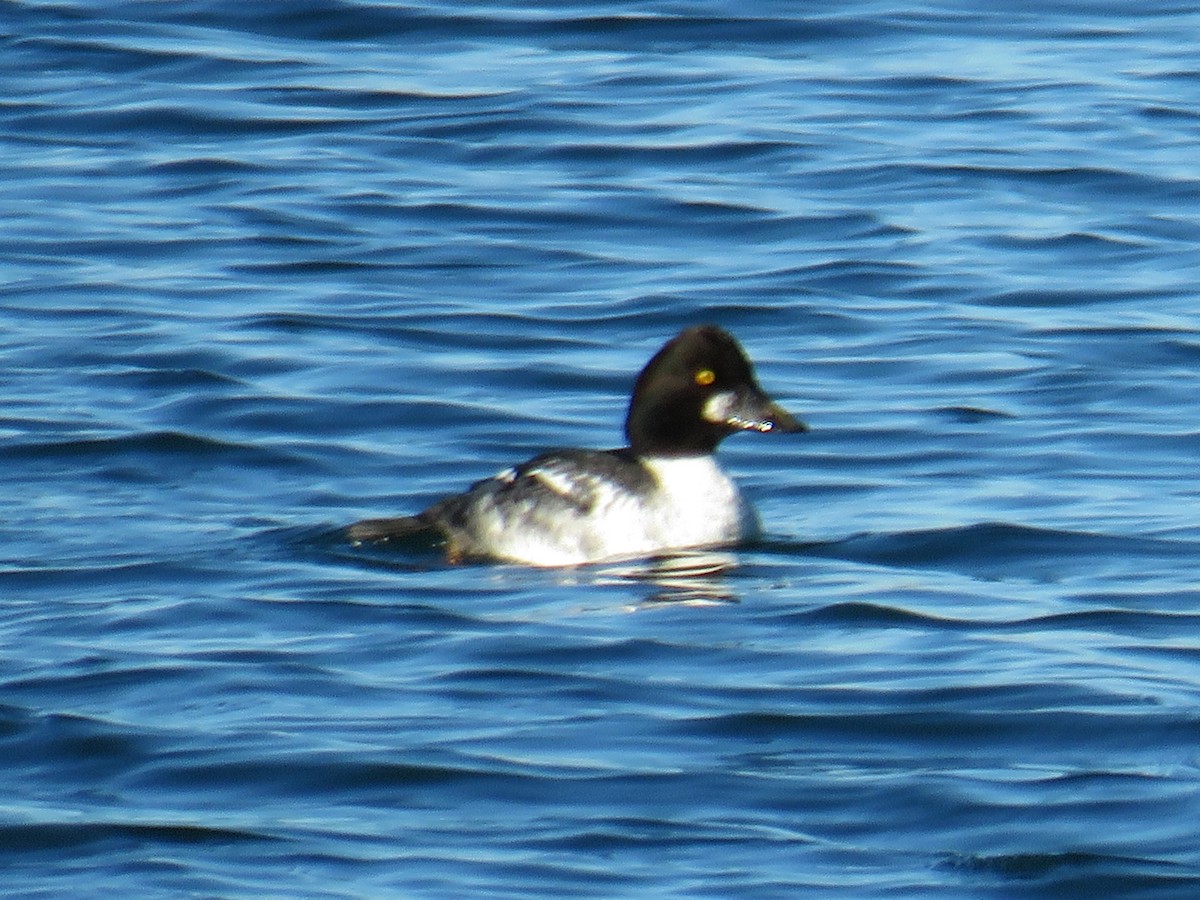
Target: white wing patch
(573,486)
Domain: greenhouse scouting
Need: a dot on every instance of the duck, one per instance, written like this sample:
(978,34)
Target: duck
(664,491)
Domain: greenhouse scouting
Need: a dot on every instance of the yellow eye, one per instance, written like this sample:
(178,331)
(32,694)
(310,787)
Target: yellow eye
(705,377)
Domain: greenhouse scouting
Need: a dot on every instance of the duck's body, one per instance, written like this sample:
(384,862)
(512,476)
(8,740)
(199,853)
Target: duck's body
(665,491)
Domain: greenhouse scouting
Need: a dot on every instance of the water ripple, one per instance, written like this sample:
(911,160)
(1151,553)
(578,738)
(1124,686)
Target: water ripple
(271,268)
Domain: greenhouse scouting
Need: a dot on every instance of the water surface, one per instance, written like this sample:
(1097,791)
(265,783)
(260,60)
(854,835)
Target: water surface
(271,268)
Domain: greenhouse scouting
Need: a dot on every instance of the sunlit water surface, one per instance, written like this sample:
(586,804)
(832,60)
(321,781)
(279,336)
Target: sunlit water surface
(270,268)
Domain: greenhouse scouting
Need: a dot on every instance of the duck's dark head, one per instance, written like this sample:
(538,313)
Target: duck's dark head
(697,390)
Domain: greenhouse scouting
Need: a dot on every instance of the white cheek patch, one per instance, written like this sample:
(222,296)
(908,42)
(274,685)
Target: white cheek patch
(719,407)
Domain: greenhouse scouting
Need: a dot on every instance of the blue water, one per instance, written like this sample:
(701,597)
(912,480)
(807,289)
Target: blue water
(271,268)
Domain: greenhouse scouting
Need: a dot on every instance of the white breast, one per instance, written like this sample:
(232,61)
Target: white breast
(697,504)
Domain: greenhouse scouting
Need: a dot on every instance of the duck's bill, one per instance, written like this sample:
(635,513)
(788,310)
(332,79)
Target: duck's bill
(750,411)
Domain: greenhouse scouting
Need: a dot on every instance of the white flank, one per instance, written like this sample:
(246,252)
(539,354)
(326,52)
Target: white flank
(694,504)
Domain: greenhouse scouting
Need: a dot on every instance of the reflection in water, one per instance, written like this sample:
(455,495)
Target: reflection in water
(686,576)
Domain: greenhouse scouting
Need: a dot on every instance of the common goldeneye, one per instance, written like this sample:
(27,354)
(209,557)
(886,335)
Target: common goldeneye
(663,492)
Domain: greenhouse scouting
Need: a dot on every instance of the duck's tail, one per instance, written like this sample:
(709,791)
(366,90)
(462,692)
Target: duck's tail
(375,530)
